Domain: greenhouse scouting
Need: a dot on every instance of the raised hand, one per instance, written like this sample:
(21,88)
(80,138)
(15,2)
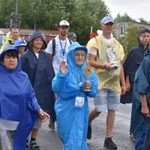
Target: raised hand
(63,67)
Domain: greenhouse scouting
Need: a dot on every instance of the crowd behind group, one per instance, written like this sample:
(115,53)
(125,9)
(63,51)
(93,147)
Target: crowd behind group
(53,81)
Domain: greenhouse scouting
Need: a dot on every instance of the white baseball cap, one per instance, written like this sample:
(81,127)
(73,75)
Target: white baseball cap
(64,23)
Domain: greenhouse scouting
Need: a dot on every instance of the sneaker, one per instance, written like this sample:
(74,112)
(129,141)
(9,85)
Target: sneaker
(89,133)
(33,145)
(133,137)
(109,143)
(51,124)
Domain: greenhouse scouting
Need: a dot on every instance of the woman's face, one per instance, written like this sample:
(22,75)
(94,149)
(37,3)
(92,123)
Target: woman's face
(37,43)
(21,49)
(79,57)
(9,61)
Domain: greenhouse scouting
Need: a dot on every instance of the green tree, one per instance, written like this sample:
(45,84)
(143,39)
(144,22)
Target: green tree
(124,18)
(130,39)
(6,8)
(46,14)
(143,21)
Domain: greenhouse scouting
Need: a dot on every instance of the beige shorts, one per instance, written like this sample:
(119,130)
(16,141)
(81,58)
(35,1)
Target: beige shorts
(38,123)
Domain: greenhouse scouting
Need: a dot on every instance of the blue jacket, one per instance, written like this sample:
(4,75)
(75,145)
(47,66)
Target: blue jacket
(72,121)
(17,101)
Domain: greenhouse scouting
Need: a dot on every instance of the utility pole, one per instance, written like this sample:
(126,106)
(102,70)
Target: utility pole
(16,6)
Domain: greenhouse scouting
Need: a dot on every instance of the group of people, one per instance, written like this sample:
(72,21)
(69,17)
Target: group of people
(41,82)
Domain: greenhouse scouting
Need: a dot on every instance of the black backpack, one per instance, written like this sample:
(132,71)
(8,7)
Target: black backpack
(53,46)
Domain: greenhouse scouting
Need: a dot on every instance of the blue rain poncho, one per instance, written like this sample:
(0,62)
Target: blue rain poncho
(139,123)
(17,101)
(72,121)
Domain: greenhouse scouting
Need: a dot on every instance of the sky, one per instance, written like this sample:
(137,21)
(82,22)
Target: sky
(134,8)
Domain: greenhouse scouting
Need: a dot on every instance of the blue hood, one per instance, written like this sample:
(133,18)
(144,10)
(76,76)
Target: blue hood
(8,48)
(70,56)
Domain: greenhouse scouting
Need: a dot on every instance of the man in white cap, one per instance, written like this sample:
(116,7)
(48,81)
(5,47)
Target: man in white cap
(110,75)
(58,49)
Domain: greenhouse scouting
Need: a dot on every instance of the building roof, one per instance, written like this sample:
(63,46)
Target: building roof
(30,31)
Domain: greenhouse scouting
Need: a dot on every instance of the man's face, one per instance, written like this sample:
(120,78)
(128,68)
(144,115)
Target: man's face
(63,30)
(107,28)
(15,33)
(145,38)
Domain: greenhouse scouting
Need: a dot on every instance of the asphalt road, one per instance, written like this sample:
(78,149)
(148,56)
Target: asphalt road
(49,140)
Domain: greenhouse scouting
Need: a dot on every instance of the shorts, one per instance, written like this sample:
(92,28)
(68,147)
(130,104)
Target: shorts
(6,139)
(38,123)
(107,99)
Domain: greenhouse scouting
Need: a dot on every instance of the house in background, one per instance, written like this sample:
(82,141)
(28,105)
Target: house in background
(26,33)
(120,28)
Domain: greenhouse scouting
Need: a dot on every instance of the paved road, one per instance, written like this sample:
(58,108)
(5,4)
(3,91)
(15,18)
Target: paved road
(48,139)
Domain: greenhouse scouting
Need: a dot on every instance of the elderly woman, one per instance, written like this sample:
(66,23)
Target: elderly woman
(18,104)
(73,87)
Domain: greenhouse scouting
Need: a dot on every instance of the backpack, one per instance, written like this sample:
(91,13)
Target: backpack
(54,45)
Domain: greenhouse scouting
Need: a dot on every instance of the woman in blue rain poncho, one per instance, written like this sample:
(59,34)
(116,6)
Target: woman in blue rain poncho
(18,104)
(72,104)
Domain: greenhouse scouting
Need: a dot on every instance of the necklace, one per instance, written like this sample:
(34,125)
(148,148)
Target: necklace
(63,50)
(80,83)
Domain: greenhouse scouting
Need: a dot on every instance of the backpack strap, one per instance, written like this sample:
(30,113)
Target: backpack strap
(70,42)
(97,45)
(10,42)
(53,46)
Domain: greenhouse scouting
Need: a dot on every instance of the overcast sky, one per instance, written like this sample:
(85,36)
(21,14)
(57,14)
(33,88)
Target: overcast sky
(134,8)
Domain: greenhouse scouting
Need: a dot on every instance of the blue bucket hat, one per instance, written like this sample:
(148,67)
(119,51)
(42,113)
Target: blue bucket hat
(19,43)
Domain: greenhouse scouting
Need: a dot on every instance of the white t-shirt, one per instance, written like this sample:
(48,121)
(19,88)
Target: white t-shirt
(37,55)
(94,50)
(61,47)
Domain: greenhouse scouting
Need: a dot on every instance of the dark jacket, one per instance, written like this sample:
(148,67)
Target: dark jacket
(139,123)
(131,64)
(41,73)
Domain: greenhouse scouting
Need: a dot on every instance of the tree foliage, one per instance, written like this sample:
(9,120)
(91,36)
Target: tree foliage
(130,39)
(46,14)
(81,14)
(124,18)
